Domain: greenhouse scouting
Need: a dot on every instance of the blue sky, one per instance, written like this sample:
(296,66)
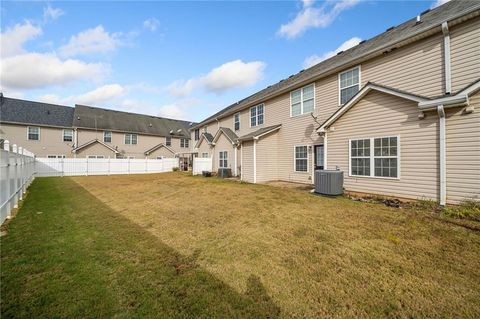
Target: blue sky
(176,59)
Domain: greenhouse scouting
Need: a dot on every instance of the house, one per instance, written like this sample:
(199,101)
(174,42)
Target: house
(50,130)
(398,113)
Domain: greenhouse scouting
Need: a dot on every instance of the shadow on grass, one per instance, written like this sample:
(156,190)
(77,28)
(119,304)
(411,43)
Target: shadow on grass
(69,255)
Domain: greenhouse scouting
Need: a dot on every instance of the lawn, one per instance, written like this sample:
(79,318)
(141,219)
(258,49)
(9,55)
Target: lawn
(174,246)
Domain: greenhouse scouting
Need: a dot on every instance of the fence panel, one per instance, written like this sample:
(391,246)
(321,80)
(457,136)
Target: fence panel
(102,166)
(17,169)
(201,164)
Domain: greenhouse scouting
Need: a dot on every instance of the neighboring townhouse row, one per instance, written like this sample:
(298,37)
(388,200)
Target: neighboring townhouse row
(57,131)
(398,113)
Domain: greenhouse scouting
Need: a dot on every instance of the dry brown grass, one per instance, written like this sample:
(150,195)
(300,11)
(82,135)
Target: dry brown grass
(315,256)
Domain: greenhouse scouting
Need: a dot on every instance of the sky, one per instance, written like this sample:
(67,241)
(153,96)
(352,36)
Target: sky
(177,59)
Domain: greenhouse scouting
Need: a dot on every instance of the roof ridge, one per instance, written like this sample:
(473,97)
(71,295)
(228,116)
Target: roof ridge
(38,102)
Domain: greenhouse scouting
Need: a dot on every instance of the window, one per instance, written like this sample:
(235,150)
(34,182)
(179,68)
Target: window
(349,84)
(301,159)
(107,137)
(381,160)
(197,134)
(168,141)
(67,135)
(256,115)
(385,157)
(222,159)
(360,157)
(159,157)
(302,100)
(56,156)
(130,157)
(236,121)
(184,142)
(205,155)
(33,133)
(131,139)
(95,156)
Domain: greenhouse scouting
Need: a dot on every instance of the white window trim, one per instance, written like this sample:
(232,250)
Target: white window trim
(301,100)
(63,135)
(239,121)
(95,156)
(166,141)
(372,158)
(295,159)
(159,157)
(359,67)
(205,153)
(186,143)
(224,159)
(256,115)
(125,140)
(111,135)
(28,128)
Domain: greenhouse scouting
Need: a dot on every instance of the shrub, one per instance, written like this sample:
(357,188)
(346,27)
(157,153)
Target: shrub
(467,209)
(175,169)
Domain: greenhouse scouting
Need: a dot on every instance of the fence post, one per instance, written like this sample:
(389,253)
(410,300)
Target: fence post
(109,169)
(63,167)
(21,173)
(8,190)
(15,176)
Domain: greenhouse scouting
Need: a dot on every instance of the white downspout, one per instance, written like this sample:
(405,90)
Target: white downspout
(447,65)
(255,160)
(325,151)
(241,161)
(235,161)
(443,157)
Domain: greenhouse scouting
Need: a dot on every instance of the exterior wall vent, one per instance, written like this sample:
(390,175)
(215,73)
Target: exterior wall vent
(329,182)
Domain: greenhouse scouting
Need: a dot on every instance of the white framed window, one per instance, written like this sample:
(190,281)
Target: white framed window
(168,141)
(301,158)
(197,134)
(67,135)
(56,156)
(375,157)
(236,121)
(184,142)
(205,155)
(33,133)
(96,156)
(107,137)
(256,115)
(131,139)
(159,157)
(302,100)
(222,159)
(348,84)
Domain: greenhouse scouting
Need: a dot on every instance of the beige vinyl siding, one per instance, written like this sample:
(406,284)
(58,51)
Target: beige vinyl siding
(144,142)
(50,143)
(247,161)
(465,53)
(204,148)
(162,151)
(95,149)
(380,115)
(416,68)
(224,144)
(267,165)
(463,153)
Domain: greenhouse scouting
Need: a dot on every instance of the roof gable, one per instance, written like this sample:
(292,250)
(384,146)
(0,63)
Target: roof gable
(229,134)
(204,137)
(76,149)
(362,93)
(156,147)
(260,132)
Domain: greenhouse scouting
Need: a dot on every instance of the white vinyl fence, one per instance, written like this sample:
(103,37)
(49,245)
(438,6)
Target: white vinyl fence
(101,166)
(201,164)
(17,172)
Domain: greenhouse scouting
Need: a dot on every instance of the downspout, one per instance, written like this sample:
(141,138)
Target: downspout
(325,151)
(255,160)
(447,64)
(443,157)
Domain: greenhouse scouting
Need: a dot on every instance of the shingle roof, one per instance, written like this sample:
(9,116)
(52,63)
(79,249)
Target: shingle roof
(104,119)
(208,137)
(36,113)
(257,133)
(229,133)
(375,45)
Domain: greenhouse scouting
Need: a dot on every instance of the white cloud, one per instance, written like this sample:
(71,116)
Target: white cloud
(151,24)
(314,17)
(95,40)
(12,40)
(37,70)
(230,75)
(438,3)
(171,111)
(97,96)
(50,13)
(314,59)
